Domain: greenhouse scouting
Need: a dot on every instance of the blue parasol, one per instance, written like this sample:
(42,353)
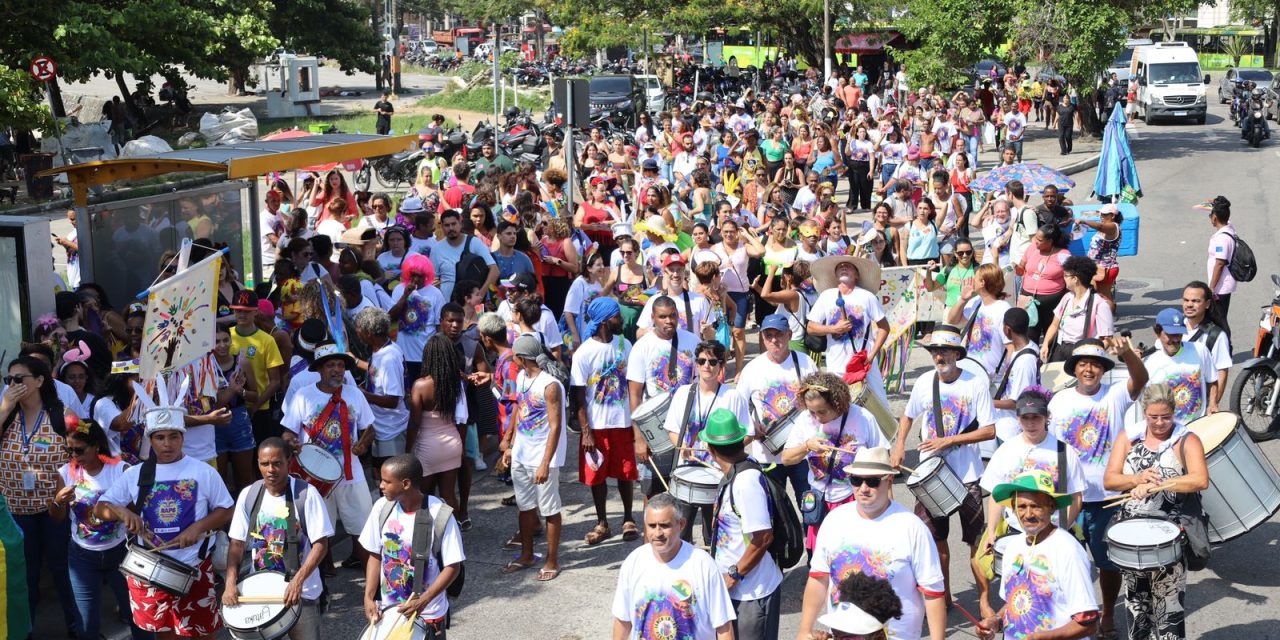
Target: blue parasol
(1116,168)
(1033,177)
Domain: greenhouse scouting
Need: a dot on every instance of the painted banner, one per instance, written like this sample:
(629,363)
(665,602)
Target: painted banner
(905,301)
(180,318)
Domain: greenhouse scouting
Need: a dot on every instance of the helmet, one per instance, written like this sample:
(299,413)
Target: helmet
(1257,92)
(512,113)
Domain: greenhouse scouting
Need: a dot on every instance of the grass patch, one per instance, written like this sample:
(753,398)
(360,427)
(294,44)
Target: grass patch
(367,124)
(465,70)
(480,99)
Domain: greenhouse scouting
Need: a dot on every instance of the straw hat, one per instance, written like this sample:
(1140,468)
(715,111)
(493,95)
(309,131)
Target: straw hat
(824,272)
(657,225)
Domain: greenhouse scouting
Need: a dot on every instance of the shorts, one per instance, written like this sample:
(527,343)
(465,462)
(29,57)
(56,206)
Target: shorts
(471,443)
(971,518)
(1094,520)
(351,503)
(740,300)
(618,448)
(192,615)
(237,436)
(544,497)
(1109,277)
(387,448)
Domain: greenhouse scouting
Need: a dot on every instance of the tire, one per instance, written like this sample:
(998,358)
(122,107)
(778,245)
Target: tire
(1200,119)
(1250,389)
(363,177)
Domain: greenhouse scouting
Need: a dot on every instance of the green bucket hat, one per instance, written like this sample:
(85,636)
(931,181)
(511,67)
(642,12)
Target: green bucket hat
(722,428)
(1037,480)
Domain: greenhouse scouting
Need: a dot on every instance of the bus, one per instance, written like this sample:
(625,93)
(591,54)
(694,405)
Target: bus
(750,47)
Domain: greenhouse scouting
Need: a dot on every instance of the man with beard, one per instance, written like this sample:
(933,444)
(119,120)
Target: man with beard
(845,312)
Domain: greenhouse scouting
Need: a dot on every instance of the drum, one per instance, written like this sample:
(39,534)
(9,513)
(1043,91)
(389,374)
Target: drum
(775,438)
(937,487)
(318,467)
(158,570)
(221,544)
(696,484)
(997,551)
(392,622)
(261,621)
(865,398)
(1244,489)
(649,418)
(1144,543)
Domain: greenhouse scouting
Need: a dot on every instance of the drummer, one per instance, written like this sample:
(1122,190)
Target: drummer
(968,418)
(1159,467)
(651,370)
(771,384)
(845,312)
(337,418)
(691,404)
(675,285)
(1090,418)
(1185,366)
(827,436)
(265,513)
(1045,571)
(186,503)
(1023,371)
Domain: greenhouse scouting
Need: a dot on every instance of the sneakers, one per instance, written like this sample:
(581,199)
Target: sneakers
(480,465)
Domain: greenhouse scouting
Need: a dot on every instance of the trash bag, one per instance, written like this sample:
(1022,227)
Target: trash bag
(144,146)
(229,127)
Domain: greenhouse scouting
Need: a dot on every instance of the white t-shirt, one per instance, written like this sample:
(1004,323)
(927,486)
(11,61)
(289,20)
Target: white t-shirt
(394,543)
(991,232)
(685,598)
(856,429)
(698,304)
(965,399)
(863,310)
(649,359)
(420,319)
(601,369)
(70,400)
(1046,584)
(895,546)
(303,409)
(331,228)
(697,407)
(533,428)
(1024,371)
(581,293)
(1071,323)
(1219,351)
(266,542)
(1090,425)
(546,325)
(1188,374)
(986,339)
(771,389)
(391,264)
(184,493)
(104,411)
(103,535)
(420,246)
(737,519)
(386,378)
(1015,125)
(1018,456)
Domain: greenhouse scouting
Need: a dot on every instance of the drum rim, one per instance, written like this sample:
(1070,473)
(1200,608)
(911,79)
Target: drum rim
(1235,427)
(695,468)
(932,464)
(1152,522)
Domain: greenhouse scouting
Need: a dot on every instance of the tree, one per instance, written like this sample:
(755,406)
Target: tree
(949,36)
(336,29)
(20,106)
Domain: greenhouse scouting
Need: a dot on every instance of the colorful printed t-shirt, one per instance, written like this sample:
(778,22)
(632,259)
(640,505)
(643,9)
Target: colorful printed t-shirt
(265,539)
(1017,456)
(533,428)
(1043,586)
(303,409)
(184,492)
(87,531)
(862,308)
(1188,374)
(684,599)
(1090,425)
(964,400)
(859,430)
(736,519)
(419,320)
(986,340)
(649,362)
(601,369)
(393,541)
(771,390)
(697,408)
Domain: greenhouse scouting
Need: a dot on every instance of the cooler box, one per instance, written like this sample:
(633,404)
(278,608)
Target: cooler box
(1128,229)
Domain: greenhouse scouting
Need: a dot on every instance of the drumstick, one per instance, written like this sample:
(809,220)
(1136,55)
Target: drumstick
(261,599)
(698,460)
(658,473)
(1127,496)
(968,615)
(170,543)
(907,469)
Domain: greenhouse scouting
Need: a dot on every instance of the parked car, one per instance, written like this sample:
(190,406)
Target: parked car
(1048,73)
(655,94)
(618,98)
(981,70)
(483,50)
(1233,77)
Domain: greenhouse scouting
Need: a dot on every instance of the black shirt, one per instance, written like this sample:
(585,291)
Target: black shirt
(1067,116)
(384,110)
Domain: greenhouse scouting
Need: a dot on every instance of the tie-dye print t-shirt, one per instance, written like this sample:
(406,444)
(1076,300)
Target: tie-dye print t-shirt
(684,599)
(419,320)
(533,425)
(826,471)
(964,400)
(649,362)
(986,339)
(771,388)
(393,541)
(87,531)
(1045,585)
(697,407)
(1188,374)
(184,492)
(862,308)
(601,369)
(895,546)
(1017,456)
(265,539)
(1090,425)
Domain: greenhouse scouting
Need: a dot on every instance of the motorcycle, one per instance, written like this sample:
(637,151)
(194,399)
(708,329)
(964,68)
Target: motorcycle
(1251,129)
(1255,393)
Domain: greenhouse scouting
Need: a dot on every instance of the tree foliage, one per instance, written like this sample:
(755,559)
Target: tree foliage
(20,102)
(1265,14)
(337,29)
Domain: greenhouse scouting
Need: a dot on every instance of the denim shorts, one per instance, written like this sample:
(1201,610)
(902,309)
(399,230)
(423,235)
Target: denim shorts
(740,302)
(237,436)
(1094,520)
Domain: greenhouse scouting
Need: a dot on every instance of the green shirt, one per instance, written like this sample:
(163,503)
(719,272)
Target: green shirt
(952,279)
(774,151)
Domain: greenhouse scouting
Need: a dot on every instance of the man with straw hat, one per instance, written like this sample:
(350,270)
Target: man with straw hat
(845,312)
(1089,418)
(743,531)
(958,415)
(877,536)
(1047,579)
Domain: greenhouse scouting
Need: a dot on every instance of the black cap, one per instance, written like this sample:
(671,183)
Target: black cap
(310,335)
(1031,402)
(522,281)
(245,300)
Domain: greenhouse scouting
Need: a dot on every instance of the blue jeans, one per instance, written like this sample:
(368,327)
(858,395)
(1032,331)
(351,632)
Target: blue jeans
(1017,147)
(971,148)
(798,474)
(88,568)
(1094,520)
(44,542)
(886,172)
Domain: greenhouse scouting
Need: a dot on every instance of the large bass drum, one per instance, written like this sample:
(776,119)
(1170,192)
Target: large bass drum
(1244,489)
(261,620)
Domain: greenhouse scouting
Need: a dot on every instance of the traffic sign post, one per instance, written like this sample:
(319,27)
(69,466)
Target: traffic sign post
(43,69)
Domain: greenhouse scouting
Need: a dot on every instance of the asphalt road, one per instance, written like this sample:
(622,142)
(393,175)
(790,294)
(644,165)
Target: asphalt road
(1180,166)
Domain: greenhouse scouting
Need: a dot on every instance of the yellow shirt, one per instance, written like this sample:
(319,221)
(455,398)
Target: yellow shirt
(261,351)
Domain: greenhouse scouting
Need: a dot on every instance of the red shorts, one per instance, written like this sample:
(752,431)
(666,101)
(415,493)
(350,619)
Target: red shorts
(618,448)
(192,615)
(1109,277)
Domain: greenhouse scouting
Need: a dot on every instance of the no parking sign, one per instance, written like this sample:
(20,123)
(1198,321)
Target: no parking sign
(43,69)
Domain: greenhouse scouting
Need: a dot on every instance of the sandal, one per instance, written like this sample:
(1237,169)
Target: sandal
(547,575)
(509,501)
(598,534)
(514,566)
(630,532)
(465,525)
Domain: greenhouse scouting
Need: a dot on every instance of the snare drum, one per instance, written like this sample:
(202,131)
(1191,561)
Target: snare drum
(649,418)
(318,467)
(997,553)
(696,484)
(393,624)
(1144,543)
(158,570)
(775,438)
(1244,489)
(261,621)
(937,487)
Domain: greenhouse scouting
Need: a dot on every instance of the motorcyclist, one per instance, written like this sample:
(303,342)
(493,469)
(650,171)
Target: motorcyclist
(1254,101)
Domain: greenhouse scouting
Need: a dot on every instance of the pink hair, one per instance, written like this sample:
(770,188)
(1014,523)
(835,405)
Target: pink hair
(418,264)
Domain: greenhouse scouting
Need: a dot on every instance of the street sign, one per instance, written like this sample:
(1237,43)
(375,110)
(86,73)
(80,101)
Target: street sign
(43,69)
(560,91)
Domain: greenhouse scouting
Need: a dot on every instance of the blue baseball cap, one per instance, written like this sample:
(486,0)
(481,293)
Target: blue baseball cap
(775,321)
(1171,322)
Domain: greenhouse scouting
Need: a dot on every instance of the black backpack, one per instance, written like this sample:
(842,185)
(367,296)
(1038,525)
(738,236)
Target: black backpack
(470,266)
(1243,266)
(787,547)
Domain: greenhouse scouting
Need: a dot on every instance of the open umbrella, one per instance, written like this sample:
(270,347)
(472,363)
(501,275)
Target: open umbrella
(1033,177)
(1116,168)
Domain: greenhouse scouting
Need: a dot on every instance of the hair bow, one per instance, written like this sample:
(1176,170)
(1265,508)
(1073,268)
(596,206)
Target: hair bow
(80,353)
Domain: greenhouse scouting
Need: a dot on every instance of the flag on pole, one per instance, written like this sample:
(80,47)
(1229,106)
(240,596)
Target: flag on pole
(181,312)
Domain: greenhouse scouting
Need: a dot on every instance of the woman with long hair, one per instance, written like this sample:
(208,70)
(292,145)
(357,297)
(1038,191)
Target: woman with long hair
(825,161)
(793,295)
(436,408)
(116,410)
(75,373)
(333,187)
(920,244)
(788,177)
(861,169)
(980,313)
(629,283)
(234,441)
(597,215)
(396,242)
(585,288)
(560,265)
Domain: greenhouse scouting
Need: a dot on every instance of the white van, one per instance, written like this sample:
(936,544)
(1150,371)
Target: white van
(1120,66)
(655,96)
(1170,84)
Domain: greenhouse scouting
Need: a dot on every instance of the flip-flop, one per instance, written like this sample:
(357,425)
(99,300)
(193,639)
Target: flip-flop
(547,575)
(515,567)
(509,501)
(630,531)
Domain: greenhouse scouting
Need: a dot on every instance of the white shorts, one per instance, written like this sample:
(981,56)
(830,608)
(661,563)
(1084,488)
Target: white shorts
(545,497)
(350,502)
(388,448)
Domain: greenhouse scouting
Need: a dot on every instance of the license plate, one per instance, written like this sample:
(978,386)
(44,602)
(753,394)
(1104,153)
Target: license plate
(1179,113)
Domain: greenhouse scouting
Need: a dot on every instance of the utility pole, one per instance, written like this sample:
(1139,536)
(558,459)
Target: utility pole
(826,39)
(497,77)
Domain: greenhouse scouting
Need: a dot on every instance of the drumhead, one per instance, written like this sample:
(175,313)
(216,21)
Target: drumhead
(1215,429)
(392,622)
(250,616)
(1143,532)
(1002,544)
(656,403)
(925,469)
(698,474)
(319,463)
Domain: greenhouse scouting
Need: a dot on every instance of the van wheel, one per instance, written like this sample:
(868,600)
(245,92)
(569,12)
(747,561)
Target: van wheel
(1200,120)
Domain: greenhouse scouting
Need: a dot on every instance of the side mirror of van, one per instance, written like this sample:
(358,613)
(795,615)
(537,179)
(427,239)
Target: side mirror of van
(1142,81)
(1206,78)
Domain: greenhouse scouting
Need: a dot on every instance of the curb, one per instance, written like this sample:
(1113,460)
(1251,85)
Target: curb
(1081,165)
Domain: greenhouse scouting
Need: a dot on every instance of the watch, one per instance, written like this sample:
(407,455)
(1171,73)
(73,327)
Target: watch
(735,574)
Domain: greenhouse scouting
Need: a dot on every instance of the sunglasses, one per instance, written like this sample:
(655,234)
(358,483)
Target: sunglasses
(872,483)
(17,378)
(964,253)
(708,361)
(626,253)
(76,451)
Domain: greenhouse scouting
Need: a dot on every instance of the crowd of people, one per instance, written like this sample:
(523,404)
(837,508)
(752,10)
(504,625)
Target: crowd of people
(409,342)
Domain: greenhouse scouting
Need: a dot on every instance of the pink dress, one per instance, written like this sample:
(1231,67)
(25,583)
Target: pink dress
(439,445)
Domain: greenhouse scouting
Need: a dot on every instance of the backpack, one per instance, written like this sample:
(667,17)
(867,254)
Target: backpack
(553,366)
(423,523)
(470,266)
(787,548)
(1243,266)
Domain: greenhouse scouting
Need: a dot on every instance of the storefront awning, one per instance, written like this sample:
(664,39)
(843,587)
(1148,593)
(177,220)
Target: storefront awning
(867,43)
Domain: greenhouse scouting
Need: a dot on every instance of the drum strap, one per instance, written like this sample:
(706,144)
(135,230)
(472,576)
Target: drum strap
(146,481)
(336,403)
(675,354)
(795,362)
(1004,382)
(294,522)
(427,536)
(688,316)
(1062,482)
(968,326)
(831,457)
(688,411)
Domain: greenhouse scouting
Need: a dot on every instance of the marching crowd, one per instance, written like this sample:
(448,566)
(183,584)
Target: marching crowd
(490,312)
